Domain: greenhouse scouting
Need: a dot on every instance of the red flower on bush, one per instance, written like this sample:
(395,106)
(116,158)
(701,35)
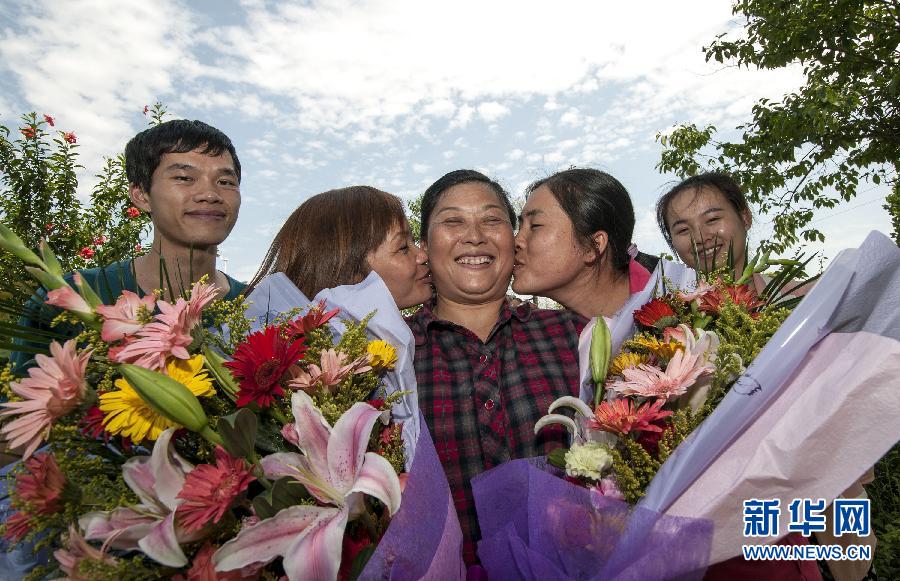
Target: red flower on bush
(87,253)
(99,240)
(69,136)
(49,120)
(259,364)
(146,109)
(133,212)
(657,313)
(28,132)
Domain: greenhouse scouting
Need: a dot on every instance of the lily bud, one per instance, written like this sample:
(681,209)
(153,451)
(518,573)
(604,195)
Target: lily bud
(51,264)
(601,350)
(11,242)
(214,362)
(166,396)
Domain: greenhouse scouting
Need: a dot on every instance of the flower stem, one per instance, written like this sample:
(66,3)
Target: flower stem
(212,436)
(278,415)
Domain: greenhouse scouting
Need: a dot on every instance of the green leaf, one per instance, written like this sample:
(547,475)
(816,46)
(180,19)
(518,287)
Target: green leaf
(557,457)
(285,492)
(238,431)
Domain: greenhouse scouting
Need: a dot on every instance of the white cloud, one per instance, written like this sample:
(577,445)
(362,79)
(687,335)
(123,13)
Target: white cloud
(420,167)
(463,116)
(570,117)
(369,63)
(515,154)
(492,110)
(87,63)
(440,108)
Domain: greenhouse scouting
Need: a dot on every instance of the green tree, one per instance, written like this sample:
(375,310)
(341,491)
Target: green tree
(39,199)
(812,148)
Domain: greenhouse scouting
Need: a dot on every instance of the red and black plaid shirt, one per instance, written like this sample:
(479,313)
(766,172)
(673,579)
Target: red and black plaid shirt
(482,399)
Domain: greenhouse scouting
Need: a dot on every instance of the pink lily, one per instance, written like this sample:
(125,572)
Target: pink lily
(336,469)
(66,298)
(121,319)
(150,525)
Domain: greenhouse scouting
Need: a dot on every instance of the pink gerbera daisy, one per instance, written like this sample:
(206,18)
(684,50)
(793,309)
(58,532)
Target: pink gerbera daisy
(681,373)
(209,491)
(52,389)
(169,335)
(621,416)
(331,371)
(39,488)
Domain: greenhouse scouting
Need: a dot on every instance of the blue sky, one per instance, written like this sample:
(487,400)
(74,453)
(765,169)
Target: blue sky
(394,93)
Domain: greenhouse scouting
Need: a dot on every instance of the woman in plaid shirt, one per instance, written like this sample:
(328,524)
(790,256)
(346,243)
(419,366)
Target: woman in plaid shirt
(486,370)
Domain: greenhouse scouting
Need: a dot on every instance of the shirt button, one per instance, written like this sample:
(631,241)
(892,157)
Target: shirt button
(489,405)
(483,360)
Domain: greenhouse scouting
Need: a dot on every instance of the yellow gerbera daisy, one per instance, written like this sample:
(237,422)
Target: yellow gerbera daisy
(127,414)
(627,361)
(382,354)
(663,350)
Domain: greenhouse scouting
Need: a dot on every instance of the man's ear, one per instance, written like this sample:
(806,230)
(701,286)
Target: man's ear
(139,197)
(599,240)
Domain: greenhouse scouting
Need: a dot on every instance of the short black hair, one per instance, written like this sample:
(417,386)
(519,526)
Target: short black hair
(715,180)
(143,152)
(594,200)
(454,178)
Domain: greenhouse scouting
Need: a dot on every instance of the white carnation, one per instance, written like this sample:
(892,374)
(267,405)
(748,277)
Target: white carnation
(588,460)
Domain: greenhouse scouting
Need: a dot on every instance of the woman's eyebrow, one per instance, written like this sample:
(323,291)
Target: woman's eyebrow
(458,209)
(530,214)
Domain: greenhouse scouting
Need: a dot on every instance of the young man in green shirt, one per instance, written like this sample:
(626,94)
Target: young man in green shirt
(186,175)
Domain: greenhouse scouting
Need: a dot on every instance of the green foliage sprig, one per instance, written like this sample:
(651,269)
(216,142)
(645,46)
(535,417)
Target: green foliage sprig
(810,149)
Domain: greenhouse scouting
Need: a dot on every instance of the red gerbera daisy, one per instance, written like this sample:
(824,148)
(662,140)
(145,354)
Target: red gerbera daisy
(313,319)
(621,416)
(91,425)
(743,295)
(657,313)
(209,491)
(260,362)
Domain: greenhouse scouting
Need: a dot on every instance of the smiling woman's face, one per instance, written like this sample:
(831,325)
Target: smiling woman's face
(705,226)
(470,245)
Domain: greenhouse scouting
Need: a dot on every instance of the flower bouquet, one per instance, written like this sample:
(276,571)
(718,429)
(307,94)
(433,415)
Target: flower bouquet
(710,384)
(174,439)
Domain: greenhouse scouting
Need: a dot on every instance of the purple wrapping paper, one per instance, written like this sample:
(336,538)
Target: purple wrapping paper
(424,539)
(535,525)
